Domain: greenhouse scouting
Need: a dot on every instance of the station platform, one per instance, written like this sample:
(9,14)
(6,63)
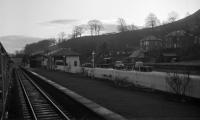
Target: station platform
(132,104)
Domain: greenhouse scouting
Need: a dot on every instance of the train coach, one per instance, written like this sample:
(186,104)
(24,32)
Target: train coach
(5,77)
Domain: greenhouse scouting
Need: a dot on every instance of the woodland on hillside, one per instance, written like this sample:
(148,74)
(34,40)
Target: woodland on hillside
(120,45)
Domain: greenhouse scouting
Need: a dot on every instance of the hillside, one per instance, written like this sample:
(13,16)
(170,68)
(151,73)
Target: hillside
(130,39)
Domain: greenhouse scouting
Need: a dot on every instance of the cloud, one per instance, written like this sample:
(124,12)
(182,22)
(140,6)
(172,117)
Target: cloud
(109,26)
(60,21)
(16,42)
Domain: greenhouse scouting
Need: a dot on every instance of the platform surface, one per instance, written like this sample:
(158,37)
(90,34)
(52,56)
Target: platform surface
(128,103)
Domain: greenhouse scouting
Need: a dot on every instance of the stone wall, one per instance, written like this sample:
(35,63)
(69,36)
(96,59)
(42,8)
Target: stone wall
(154,80)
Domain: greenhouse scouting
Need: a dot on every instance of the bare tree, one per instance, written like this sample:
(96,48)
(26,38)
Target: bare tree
(80,30)
(61,36)
(172,16)
(132,27)
(90,24)
(74,32)
(77,31)
(95,26)
(179,83)
(152,20)
(122,27)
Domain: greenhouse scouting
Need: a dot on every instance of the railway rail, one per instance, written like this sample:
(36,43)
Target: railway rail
(36,104)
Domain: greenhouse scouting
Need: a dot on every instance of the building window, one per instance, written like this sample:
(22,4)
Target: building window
(75,63)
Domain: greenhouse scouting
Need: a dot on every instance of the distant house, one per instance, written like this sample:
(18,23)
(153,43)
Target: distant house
(150,43)
(65,60)
(178,39)
(174,39)
(152,47)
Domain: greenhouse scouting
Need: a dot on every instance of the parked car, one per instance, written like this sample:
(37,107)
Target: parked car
(140,67)
(119,65)
(59,65)
(138,64)
(87,65)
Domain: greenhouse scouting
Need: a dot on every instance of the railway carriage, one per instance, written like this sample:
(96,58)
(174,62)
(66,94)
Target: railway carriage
(5,76)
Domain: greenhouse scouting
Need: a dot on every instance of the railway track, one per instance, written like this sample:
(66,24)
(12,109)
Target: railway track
(35,102)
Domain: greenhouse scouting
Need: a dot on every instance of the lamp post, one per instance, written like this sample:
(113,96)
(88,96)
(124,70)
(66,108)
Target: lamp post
(93,53)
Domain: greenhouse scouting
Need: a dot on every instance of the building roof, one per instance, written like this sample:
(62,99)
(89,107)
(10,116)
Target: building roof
(63,52)
(151,37)
(53,47)
(176,33)
(137,54)
(2,50)
(37,53)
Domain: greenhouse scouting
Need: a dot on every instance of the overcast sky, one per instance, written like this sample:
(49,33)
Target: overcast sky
(46,18)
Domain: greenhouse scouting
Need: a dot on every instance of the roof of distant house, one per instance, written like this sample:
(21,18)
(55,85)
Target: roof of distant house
(38,53)
(137,54)
(177,33)
(53,47)
(64,52)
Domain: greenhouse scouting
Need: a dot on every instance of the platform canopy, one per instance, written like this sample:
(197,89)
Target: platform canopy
(63,52)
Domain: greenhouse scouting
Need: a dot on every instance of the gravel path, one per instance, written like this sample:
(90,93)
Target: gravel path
(129,103)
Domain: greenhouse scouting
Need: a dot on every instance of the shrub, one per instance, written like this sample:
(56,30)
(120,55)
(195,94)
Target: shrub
(178,82)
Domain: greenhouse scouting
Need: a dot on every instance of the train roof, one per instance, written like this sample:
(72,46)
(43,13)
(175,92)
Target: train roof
(2,50)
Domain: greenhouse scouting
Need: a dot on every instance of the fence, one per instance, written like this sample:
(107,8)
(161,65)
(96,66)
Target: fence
(178,67)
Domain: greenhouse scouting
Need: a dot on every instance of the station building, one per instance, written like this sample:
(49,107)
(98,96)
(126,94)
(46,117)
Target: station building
(36,59)
(63,59)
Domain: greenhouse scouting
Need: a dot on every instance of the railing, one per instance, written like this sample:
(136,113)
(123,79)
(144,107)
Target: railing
(178,67)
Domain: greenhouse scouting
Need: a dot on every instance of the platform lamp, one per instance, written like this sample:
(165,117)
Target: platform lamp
(93,53)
